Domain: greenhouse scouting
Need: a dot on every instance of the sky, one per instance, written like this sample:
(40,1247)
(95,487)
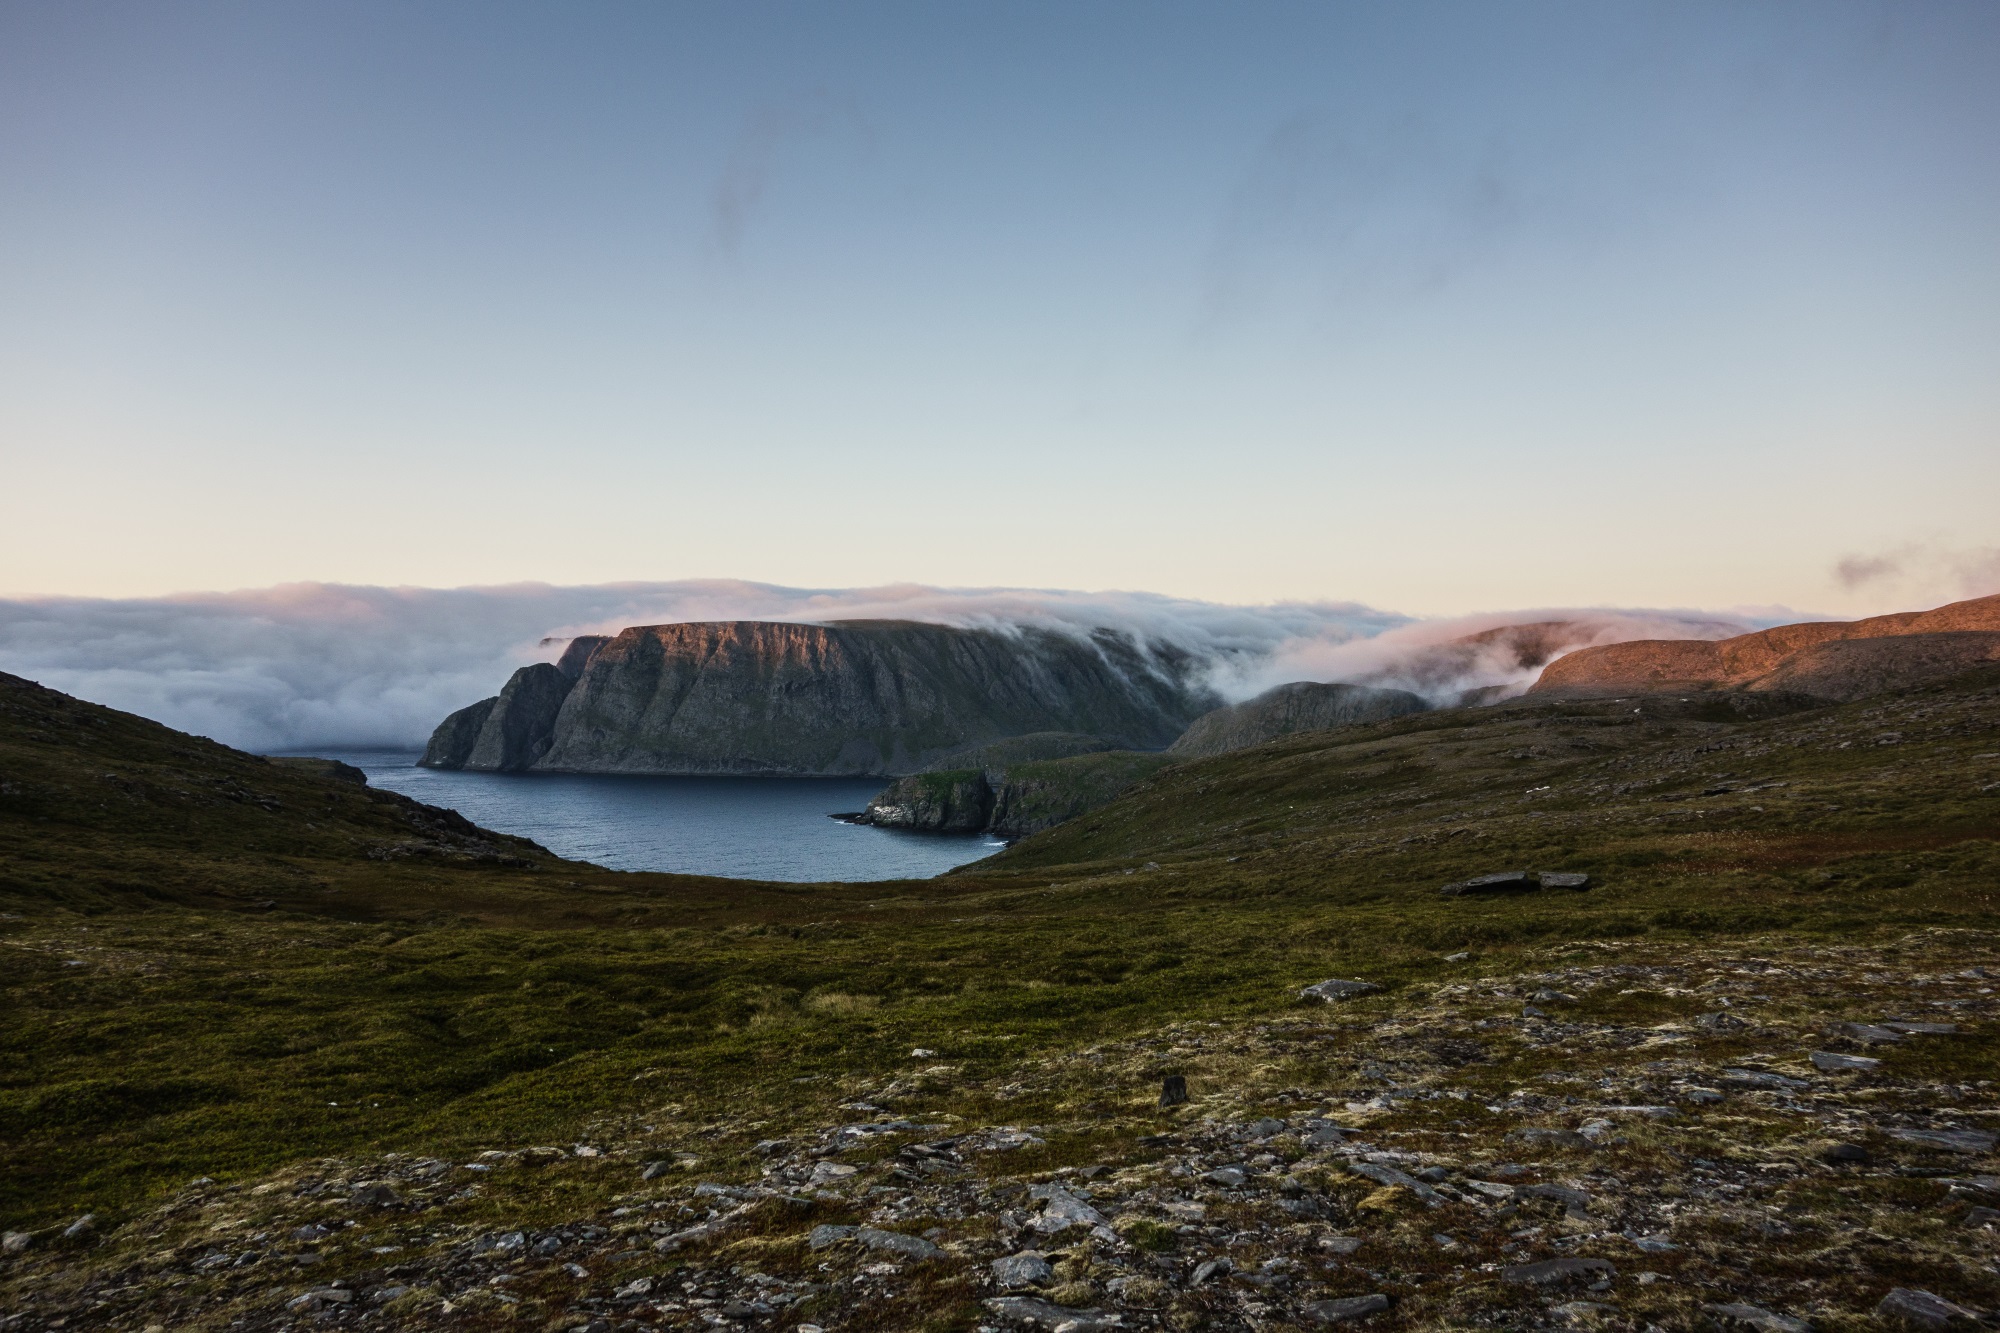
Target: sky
(1436,308)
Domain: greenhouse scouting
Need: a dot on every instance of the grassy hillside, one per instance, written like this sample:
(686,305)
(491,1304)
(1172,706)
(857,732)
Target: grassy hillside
(217,967)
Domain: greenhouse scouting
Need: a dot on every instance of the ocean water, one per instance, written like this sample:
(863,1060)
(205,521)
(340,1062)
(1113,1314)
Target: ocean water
(745,828)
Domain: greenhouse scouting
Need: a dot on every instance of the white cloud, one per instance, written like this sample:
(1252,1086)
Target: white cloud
(305,665)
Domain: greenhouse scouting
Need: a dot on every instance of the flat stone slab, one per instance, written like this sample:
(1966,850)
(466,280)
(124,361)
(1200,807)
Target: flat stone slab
(1923,1029)
(1952,1140)
(1040,1313)
(1551,1271)
(1334,988)
(1761,1319)
(1833,1062)
(1909,1307)
(895,1242)
(1505,881)
(1389,1175)
(1346,1309)
(1761,1078)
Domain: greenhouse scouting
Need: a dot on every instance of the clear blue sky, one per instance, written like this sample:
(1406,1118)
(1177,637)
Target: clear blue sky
(1438,307)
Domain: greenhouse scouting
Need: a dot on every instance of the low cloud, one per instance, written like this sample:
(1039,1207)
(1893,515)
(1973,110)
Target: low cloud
(322,665)
(1501,652)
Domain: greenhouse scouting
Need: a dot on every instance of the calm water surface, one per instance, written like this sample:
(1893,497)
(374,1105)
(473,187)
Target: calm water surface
(747,828)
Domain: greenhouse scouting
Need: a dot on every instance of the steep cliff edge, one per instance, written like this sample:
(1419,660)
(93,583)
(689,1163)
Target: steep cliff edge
(1834,659)
(1299,706)
(853,697)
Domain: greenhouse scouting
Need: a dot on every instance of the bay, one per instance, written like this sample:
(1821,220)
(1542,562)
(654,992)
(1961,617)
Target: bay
(740,828)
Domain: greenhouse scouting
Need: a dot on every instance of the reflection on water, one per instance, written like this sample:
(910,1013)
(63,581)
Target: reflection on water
(747,828)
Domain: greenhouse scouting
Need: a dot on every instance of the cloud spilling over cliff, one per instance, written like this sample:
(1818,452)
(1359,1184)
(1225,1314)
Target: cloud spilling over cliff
(320,665)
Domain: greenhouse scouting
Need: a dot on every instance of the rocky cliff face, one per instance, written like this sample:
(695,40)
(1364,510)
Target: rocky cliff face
(1021,798)
(1300,706)
(856,697)
(1841,659)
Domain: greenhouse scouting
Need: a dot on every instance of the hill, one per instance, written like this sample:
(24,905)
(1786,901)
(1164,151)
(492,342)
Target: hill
(291,1076)
(857,697)
(1826,659)
(1286,709)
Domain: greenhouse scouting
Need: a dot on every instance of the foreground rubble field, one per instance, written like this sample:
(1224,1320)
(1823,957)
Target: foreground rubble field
(1773,1137)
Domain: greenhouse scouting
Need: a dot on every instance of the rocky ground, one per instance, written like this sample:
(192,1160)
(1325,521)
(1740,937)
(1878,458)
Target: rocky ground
(1770,1136)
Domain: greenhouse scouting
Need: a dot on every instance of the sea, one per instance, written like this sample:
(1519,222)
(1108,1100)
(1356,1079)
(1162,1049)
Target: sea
(742,828)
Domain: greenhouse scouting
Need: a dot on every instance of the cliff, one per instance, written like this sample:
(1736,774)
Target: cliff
(1300,706)
(1837,660)
(854,697)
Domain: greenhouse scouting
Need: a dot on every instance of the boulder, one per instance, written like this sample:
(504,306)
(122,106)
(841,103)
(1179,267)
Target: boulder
(1346,1309)
(1908,1307)
(1951,1140)
(1333,988)
(895,1242)
(1550,1272)
(1504,881)
(1762,1320)
(1833,1062)
(1026,1269)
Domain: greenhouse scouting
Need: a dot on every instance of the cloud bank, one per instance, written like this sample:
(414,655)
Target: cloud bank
(314,665)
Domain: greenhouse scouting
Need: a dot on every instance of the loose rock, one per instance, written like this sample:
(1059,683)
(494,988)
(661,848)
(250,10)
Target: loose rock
(1505,881)
(1333,988)
(1907,1307)
(1347,1308)
(1551,1271)
(1761,1319)
(1952,1140)
(910,1247)
(1026,1269)
(1832,1062)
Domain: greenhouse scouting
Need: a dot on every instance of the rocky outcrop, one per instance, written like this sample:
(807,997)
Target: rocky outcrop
(856,697)
(1833,659)
(1300,706)
(518,727)
(1013,801)
(577,655)
(451,744)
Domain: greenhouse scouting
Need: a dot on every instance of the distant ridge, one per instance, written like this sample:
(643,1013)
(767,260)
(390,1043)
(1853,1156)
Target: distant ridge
(1832,659)
(1299,706)
(855,697)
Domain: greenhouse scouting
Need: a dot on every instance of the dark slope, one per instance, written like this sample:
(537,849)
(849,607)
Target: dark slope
(1288,709)
(95,803)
